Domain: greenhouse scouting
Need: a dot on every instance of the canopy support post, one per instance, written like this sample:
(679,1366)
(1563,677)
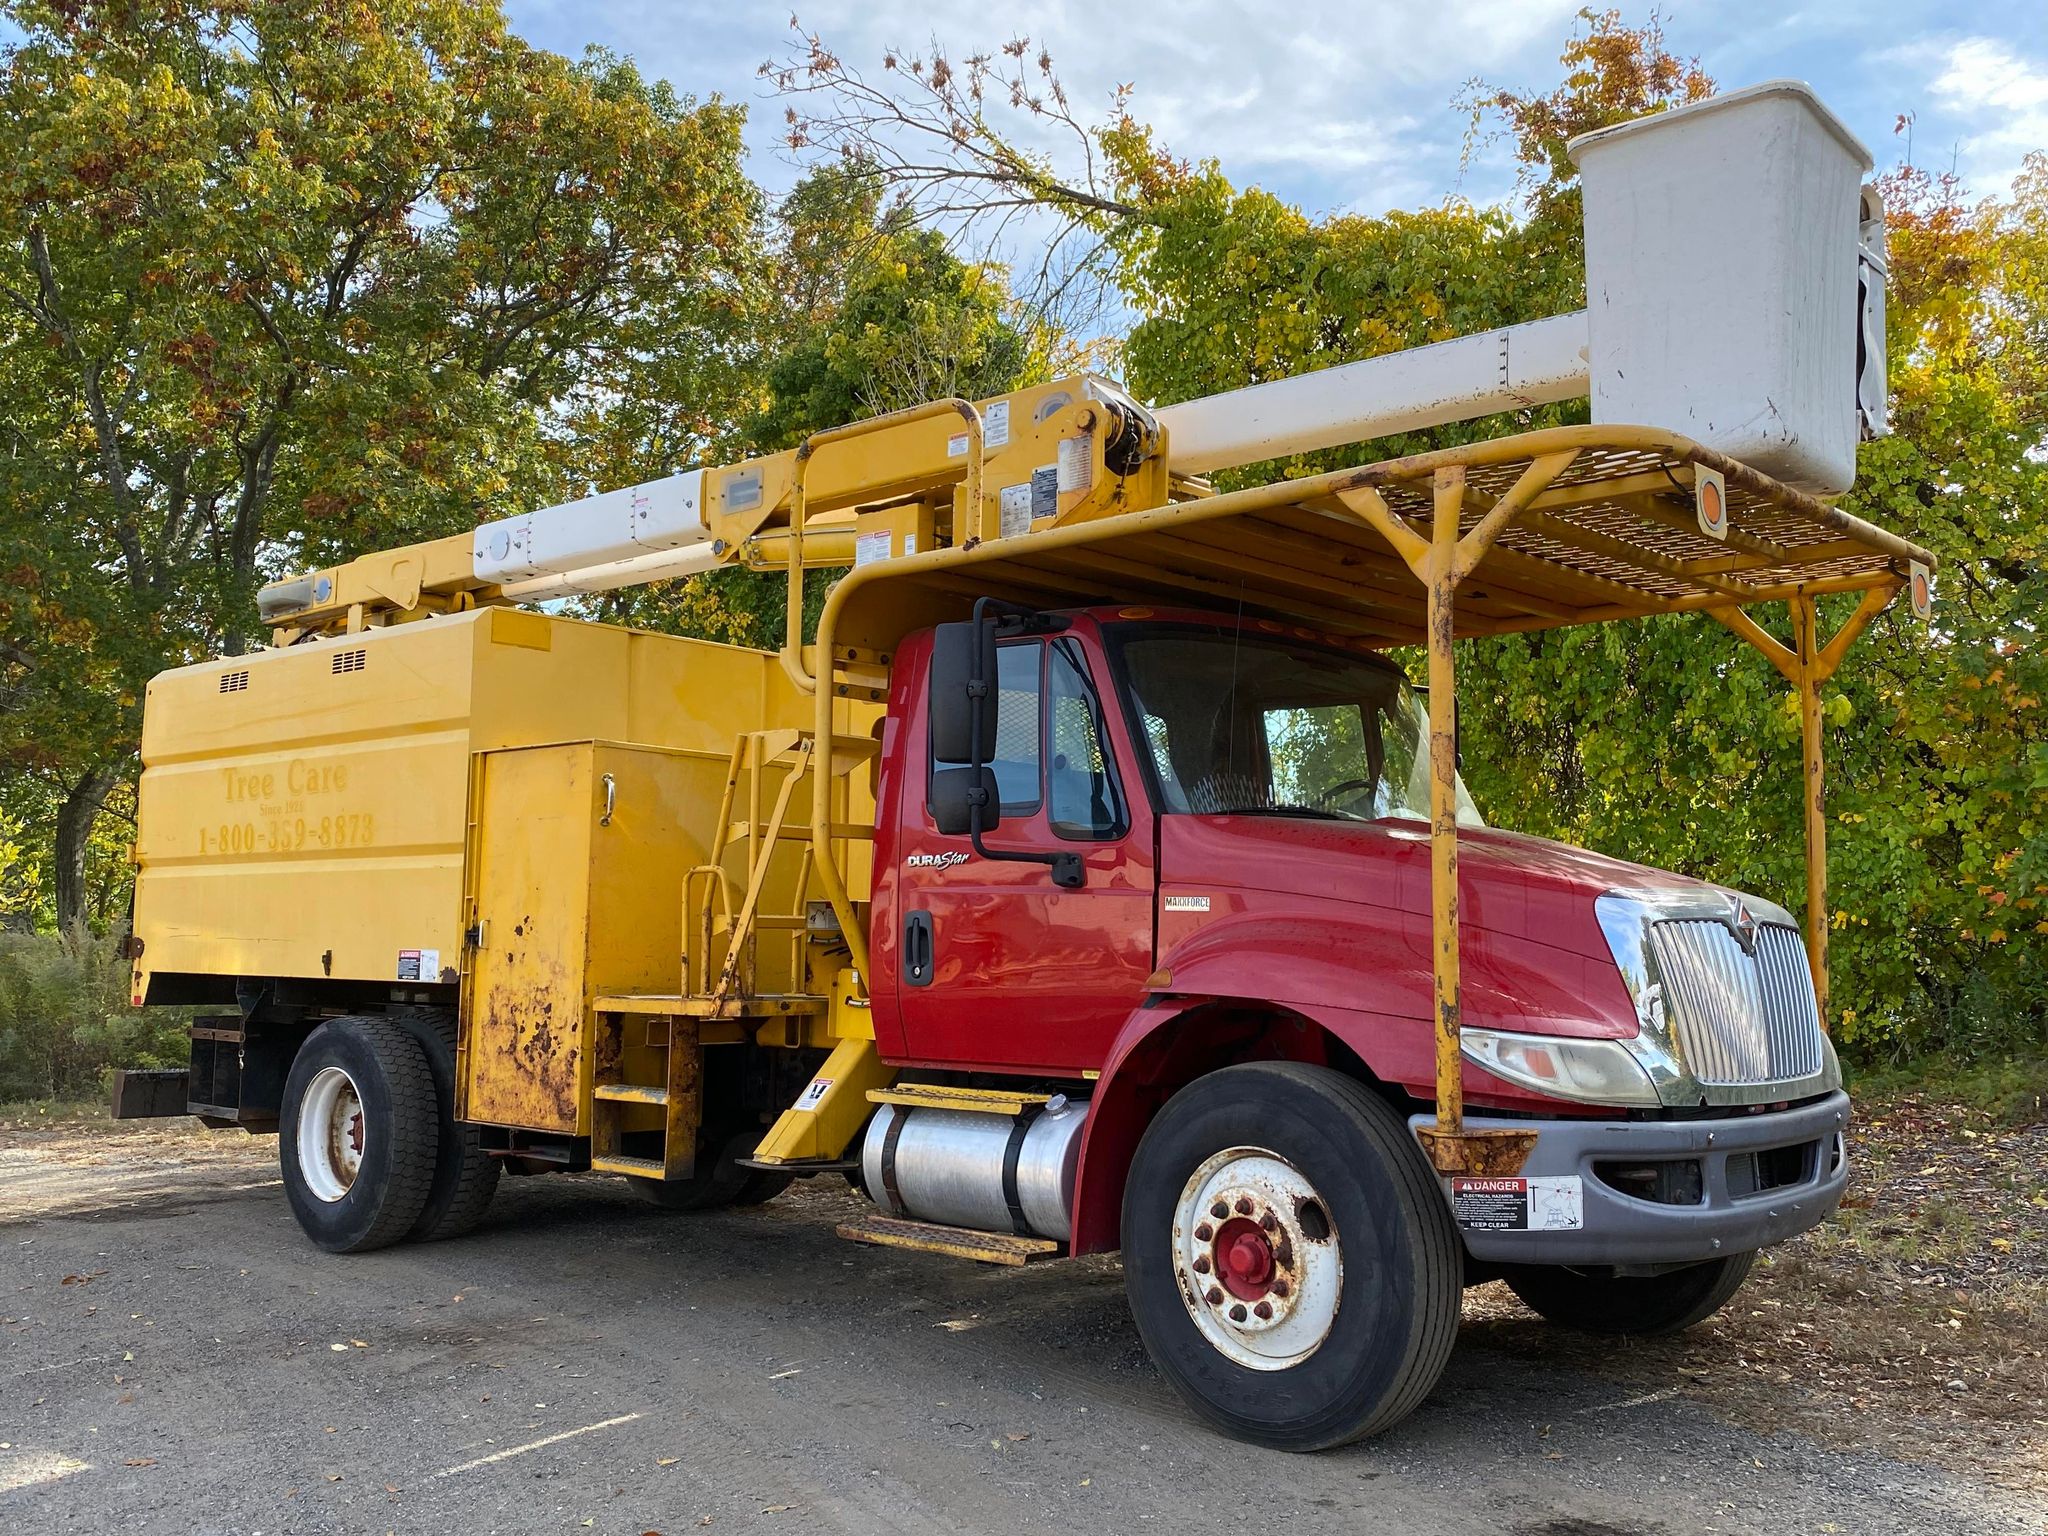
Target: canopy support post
(1448,557)
(1807,664)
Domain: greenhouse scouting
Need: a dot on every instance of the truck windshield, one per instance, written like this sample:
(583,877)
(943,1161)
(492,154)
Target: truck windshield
(1248,720)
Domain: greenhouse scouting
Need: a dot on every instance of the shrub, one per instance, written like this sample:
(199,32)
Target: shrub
(65,1020)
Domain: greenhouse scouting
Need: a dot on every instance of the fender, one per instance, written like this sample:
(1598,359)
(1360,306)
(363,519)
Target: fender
(1253,985)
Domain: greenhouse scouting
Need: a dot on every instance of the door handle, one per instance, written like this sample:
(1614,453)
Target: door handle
(611,800)
(917,949)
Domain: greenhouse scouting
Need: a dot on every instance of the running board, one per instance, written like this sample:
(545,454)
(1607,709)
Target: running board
(955,1242)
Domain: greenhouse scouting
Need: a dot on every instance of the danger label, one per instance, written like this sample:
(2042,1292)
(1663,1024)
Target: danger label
(1553,1204)
(419,965)
(814,1093)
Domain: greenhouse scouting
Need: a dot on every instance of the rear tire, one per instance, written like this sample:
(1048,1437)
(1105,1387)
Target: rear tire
(1638,1306)
(1333,1222)
(358,1138)
(465,1175)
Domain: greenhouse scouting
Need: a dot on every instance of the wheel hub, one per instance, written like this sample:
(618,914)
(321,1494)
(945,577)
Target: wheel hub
(1259,1265)
(1244,1259)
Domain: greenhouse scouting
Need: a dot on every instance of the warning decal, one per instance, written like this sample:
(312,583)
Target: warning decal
(1554,1204)
(814,1093)
(419,965)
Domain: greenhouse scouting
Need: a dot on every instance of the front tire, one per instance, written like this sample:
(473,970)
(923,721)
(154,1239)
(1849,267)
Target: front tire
(358,1138)
(1289,1259)
(1637,1306)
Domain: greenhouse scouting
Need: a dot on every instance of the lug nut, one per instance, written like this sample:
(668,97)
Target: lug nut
(1264,1309)
(1219,1210)
(1204,1232)
(1244,1205)
(1237,1313)
(1269,1221)
(1215,1296)
(1201,1263)
(1280,1288)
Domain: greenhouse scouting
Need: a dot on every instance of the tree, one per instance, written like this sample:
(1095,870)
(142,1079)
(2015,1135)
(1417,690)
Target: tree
(286,279)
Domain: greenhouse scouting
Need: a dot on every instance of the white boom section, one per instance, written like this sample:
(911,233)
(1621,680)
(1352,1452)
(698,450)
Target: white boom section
(1538,363)
(661,565)
(645,532)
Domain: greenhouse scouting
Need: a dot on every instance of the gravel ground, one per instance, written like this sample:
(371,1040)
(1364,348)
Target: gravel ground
(176,1358)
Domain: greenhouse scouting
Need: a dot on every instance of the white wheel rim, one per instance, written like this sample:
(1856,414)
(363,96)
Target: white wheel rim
(1263,1278)
(332,1134)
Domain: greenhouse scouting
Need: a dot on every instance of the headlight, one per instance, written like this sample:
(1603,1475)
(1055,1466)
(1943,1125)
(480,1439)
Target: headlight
(1588,1071)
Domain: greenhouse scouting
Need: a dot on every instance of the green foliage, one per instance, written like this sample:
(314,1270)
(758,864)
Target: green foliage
(285,280)
(65,1020)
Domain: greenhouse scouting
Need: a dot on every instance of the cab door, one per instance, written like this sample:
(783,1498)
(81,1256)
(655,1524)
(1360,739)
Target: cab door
(998,966)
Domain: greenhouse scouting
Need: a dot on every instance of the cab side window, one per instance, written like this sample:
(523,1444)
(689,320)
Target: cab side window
(1016,765)
(1083,798)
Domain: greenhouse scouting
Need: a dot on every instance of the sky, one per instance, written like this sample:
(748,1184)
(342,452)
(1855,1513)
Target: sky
(1348,107)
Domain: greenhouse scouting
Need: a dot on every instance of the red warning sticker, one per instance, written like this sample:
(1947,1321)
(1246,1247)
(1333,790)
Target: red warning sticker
(1542,1204)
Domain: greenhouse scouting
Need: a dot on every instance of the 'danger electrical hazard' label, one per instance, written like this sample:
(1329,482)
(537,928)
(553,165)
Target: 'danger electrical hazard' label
(1553,1204)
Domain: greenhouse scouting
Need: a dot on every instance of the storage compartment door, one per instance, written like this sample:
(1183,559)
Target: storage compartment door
(527,1061)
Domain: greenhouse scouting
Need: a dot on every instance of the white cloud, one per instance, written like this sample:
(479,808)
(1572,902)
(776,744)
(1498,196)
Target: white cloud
(2001,98)
(1335,103)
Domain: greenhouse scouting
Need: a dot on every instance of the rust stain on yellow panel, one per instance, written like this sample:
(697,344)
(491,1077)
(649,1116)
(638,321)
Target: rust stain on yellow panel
(528,1027)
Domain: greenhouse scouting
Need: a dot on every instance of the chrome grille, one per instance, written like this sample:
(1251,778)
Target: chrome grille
(1739,1018)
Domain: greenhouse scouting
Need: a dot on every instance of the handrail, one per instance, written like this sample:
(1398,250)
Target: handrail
(793,636)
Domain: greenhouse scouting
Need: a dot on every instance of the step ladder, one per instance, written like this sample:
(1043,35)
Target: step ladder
(679,1095)
(885,1231)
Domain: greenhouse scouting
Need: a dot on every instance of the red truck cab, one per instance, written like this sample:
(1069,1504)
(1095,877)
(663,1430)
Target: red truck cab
(1247,802)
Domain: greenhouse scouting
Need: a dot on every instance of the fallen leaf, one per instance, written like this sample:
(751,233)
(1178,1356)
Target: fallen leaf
(359,1344)
(140,1461)
(1014,1438)
(339,1349)
(393,1488)
(666,1461)
(334,1477)
(776,1509)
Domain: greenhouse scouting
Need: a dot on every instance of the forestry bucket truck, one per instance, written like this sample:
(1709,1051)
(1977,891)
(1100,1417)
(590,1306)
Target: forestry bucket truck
(1093,880)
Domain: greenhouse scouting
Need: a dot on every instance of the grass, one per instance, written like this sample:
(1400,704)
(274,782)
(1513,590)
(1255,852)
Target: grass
(2006,1092)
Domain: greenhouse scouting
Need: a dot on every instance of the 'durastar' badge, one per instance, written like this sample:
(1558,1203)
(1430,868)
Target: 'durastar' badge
(944,860)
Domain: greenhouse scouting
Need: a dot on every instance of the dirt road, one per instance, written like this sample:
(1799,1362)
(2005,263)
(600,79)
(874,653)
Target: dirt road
(176,1358)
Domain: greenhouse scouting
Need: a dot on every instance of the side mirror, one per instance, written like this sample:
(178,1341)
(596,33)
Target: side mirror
(954,796)
(962,653)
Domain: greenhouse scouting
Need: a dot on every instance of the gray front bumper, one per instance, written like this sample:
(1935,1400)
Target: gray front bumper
(1621,1228)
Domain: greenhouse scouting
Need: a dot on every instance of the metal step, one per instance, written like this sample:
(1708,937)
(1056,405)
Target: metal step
(955,1242)
(979,1101)
(805,1168)
(630,1093)
(639,1167)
